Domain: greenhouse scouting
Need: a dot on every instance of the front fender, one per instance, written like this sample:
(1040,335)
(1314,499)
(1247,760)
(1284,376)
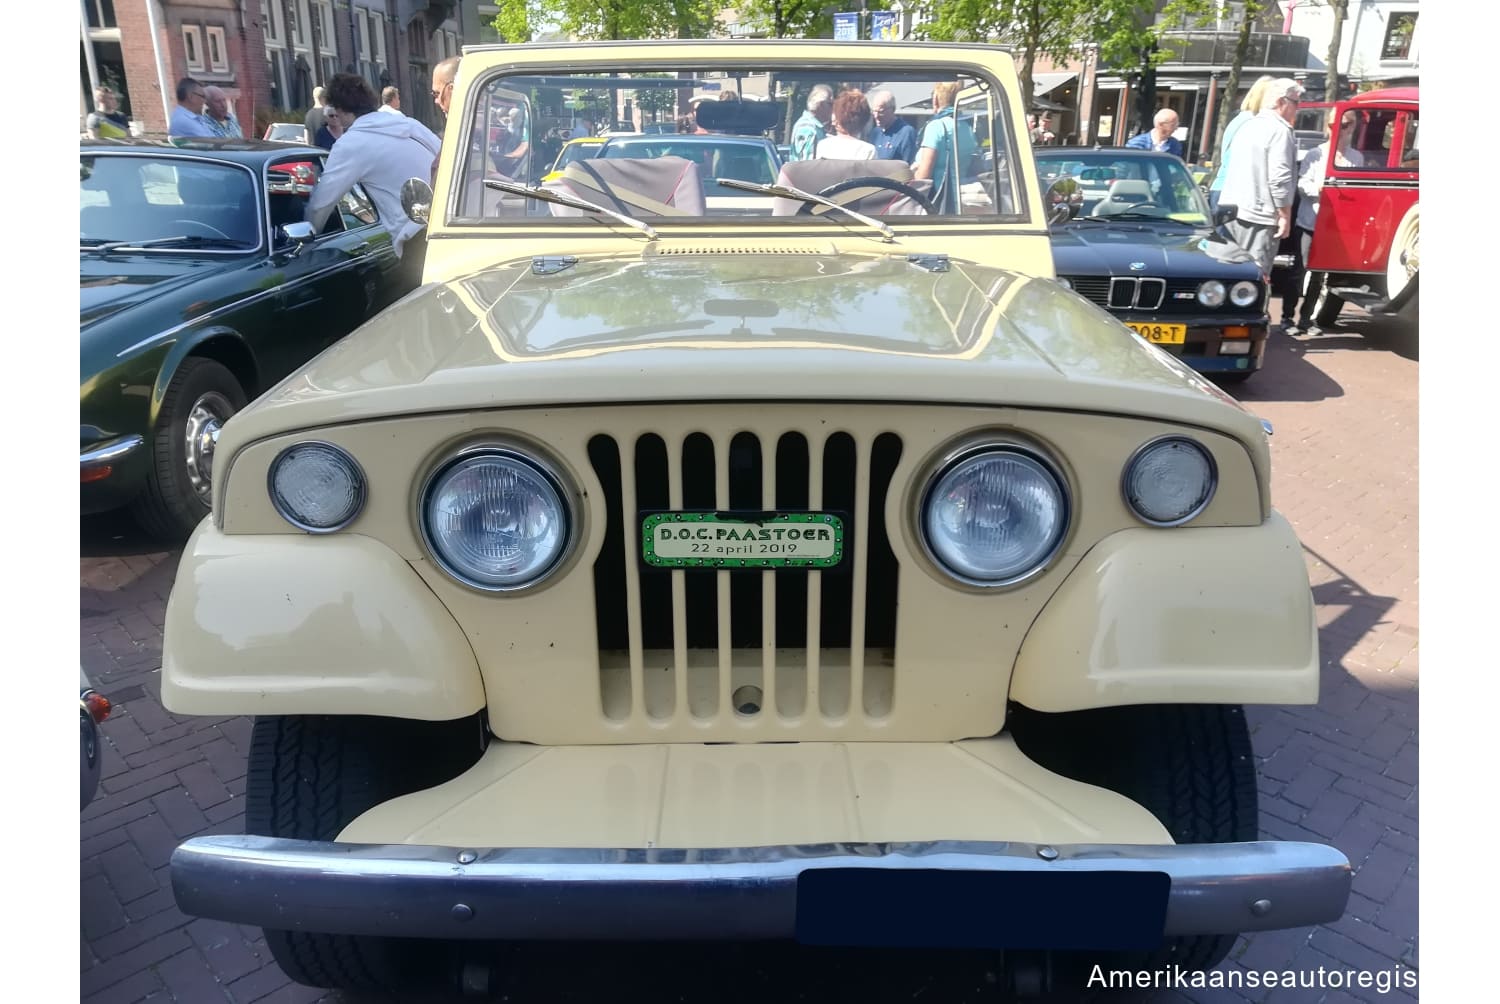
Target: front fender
(287,624)
(189,343)
(1214,615)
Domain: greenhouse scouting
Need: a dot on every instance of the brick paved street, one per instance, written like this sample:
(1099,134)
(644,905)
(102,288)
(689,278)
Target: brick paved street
(1344,408)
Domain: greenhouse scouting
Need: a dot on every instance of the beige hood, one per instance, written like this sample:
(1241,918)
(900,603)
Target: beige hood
(694,324)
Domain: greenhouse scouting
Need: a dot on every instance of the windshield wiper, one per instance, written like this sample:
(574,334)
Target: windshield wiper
(194,240)
(1133,216)
(573,202)
(787,192)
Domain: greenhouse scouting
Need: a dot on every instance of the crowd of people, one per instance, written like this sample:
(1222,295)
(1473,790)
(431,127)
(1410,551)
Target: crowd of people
(1273,195)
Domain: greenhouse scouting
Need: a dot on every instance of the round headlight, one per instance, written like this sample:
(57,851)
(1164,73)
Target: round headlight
(1169,481)
(1244,293)
(495,520)
(1064,283)
(993,517)
(316,487)
(1211,293)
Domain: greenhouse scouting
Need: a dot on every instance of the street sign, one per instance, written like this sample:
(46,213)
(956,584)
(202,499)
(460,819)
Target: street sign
(885,26)
(846,27)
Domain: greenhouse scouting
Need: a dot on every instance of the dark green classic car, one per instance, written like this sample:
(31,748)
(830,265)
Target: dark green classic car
(194,297)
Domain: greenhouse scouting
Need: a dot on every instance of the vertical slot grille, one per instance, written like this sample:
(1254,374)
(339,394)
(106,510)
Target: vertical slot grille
(713,645)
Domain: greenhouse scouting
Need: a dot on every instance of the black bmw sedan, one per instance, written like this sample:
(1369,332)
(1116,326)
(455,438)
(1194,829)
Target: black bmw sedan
(1140,242)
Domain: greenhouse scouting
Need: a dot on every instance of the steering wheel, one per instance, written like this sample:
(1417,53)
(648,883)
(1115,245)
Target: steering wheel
(202,226)
(874,181)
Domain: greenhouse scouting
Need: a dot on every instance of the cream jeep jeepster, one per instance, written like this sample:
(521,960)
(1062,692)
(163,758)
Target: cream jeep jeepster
(716,548)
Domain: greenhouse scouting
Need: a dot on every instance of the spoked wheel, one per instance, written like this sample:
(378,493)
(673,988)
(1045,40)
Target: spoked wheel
(1405,260)
(179,484)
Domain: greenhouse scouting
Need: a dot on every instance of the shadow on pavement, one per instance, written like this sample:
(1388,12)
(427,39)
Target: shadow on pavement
(1361,611)
(1286,375)
(115,535)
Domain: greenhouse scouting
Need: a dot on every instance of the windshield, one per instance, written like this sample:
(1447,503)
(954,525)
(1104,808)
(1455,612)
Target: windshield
(576,151)
(135,199)
(1129,185)
(915,145)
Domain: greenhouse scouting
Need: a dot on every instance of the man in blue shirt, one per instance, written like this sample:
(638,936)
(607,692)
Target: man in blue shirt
(894,138)
(1161,137)
(812,127)
(187,116)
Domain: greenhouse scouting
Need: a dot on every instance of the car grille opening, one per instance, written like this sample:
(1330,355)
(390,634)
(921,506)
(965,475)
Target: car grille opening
(714,645)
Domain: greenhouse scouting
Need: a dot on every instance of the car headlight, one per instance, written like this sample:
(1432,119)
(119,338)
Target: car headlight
(1169,481)
(1244,293)
(1064,283)
(994,516)
(316,487)
(495,519)
(1211,293)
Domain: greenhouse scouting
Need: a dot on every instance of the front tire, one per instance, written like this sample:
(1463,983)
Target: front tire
(202,396)
(308,778)
(1190,765)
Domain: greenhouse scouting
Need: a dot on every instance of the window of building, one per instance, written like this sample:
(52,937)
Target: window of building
(218,54)
(362,24)
(192,45)
(297,25)
(270,18)
(377,38)
(1399,31)
(101,13)
(323,24)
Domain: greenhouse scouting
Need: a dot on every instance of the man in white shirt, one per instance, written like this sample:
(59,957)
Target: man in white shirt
(1262,175)
(1310,188)
(380,153)
(187,114)
(390,101)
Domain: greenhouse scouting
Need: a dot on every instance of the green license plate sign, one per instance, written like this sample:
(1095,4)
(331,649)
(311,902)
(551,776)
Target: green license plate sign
(724,540)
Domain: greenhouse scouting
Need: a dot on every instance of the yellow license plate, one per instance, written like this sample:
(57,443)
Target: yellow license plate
(1160,334)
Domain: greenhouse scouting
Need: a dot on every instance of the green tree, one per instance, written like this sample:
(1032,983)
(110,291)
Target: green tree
(1339,10)
(518,20)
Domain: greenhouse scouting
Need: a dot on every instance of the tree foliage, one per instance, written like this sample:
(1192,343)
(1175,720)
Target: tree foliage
(520,20)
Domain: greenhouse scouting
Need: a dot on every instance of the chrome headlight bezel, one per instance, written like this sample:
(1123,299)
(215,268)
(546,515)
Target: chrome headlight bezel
(551,475)
(933,473)
(1065,282)
(361,483)
(1251,289)
(1146,447)
(1211,293)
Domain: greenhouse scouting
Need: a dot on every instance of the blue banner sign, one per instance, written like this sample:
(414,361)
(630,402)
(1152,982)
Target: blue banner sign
(885,26)
(846,27)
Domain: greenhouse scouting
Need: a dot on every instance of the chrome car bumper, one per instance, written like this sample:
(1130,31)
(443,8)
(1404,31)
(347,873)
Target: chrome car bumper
(110,453)
(764,892)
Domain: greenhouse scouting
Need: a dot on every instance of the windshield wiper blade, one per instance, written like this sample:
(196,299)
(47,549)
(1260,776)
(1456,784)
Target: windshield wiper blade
(787,192)
(194,239)
(544,195)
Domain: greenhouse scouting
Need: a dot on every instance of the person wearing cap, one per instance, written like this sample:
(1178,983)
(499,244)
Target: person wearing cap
(1262,177)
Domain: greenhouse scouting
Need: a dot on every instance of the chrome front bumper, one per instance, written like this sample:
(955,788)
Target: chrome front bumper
(754,893)
(111,452)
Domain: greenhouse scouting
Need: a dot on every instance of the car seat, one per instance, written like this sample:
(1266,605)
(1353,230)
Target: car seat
(1124,195)
(663,186)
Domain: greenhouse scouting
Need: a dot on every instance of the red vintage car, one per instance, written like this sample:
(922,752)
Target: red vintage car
(1365,249)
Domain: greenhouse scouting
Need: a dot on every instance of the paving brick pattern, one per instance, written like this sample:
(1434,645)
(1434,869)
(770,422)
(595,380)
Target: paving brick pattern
(1344,408)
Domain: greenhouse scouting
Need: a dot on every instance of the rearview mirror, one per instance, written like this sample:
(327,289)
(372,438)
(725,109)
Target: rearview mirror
(1225,213)
(416,200)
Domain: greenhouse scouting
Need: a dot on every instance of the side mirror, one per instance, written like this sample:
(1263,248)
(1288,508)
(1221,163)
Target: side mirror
(1225,213)
(298,234)
(416,200)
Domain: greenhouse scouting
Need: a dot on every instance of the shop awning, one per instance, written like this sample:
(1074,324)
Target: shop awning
(1046,83)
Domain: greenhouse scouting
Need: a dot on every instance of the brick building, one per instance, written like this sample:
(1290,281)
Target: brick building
(268,55)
